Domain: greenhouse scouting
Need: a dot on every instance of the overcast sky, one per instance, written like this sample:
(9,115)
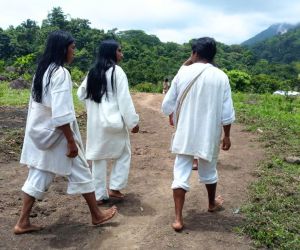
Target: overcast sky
(228,21)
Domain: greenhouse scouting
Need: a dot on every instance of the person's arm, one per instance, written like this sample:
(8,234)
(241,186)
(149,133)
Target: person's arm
(226,143)
(62,108)
(171,122)
(188,62)
(135,129)
(126,106)
(169,102)
(72,147)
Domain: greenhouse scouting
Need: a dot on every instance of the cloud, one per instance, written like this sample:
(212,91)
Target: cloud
(228,21)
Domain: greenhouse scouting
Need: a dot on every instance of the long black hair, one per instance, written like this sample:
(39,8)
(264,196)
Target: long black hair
(96,81)
(55,53)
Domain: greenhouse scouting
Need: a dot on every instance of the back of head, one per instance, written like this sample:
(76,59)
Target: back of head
(57,47)
(205,47)
(107,50)
(55,53)
(106,58)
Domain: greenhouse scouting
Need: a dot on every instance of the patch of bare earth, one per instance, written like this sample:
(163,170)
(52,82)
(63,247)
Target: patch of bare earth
(145,216)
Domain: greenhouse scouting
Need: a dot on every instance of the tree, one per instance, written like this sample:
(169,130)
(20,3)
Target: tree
(56,18)
(5,46)
(239,80)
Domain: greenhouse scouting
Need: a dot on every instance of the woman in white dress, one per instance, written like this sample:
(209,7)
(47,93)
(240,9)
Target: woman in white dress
(110,114)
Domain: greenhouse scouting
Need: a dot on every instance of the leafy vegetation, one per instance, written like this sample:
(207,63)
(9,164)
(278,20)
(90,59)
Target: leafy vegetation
(273,218)
(147,59)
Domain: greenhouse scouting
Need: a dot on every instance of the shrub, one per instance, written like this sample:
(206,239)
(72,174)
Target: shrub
(148,87)
(77,75)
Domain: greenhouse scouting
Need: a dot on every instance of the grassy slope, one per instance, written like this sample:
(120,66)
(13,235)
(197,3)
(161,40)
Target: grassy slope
(273,218)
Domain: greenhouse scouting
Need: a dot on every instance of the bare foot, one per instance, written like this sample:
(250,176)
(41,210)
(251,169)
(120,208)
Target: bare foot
(23,230)
(177,226)
(116,194)
(218,205)
(106,215)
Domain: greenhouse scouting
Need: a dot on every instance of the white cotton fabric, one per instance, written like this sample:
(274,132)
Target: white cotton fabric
(59,99)
(118,176)
(207,107)
(108,122)
(79,181)
(207,171)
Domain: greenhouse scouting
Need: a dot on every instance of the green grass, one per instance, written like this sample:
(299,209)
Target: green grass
(273,213)
(15,97)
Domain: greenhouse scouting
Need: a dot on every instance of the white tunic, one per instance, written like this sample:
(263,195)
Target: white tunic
(207,107)
(108,122)
(59,99)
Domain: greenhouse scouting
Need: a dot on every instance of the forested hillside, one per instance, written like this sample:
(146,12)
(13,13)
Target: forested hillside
(269,66)
(283,48)
(273,30)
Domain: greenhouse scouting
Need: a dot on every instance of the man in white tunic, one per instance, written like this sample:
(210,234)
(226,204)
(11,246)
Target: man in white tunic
(199,104)
(52,144)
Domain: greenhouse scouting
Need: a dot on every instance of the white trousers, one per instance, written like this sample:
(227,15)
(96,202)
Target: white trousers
(79,181)
(118,176)
(207,171)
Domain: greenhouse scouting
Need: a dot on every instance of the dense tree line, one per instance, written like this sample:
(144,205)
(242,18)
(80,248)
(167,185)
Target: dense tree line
(147,60)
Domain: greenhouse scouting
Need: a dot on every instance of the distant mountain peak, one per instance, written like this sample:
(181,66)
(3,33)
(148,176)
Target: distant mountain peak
(273,30)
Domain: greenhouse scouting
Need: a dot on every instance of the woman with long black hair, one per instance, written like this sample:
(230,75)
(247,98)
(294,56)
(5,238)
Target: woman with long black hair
(52,144)
(110,114)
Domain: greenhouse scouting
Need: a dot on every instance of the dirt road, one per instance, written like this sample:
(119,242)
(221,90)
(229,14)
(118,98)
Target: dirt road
(145,216)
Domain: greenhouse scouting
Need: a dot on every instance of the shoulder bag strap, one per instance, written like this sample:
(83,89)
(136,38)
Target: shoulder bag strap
(184,94)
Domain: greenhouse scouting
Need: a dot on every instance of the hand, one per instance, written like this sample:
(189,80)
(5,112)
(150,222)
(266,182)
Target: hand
(72,149)
(171,122)
(189,61)
(226,143)
(135,129)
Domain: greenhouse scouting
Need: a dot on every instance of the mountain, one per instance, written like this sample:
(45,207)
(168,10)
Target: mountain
(282,49)
(273,30)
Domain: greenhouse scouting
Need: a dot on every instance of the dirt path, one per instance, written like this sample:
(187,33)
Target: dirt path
(145,216)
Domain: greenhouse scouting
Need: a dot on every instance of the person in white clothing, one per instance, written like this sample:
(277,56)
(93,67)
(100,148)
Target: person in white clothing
(199,103)
(110,114)
(52,144)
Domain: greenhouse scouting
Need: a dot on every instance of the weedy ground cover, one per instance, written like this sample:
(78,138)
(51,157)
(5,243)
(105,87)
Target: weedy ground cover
(273,212)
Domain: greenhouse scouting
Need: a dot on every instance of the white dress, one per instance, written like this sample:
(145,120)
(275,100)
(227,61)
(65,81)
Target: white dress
(207,107)
(59,99)
(108,122)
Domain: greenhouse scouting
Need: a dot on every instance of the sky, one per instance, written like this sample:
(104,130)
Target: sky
(228,21)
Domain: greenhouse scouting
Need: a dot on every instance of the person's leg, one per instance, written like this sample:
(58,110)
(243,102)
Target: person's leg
(195,163)
(209,176)
(119,173)
(81,182)
(99,170)
(180,185)
(34,187)
(98,216)
(179,197)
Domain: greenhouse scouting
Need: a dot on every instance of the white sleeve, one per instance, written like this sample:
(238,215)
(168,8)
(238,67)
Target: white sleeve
(125,103)
(228,114)
(61,98)
(169,102)
(81,92)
